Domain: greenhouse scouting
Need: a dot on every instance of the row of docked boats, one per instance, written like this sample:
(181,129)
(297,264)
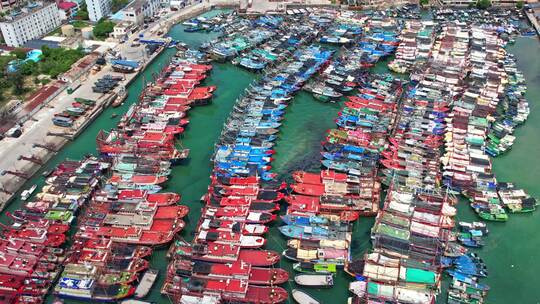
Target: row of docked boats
(379,41)
(412,236)
(416,40)
(471,131)
(512,111)
(349,180)
(31,247)
(323,205)
(216,23)
(231,45)
(127,215)
(347,71)
(288,37)
(250,132)
(226,261)
(339,33)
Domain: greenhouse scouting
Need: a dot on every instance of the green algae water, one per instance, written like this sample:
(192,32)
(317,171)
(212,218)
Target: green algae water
(510,251)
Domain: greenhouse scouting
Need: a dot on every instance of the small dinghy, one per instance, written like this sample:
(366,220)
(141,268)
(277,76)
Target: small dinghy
(302,297)
(315,280)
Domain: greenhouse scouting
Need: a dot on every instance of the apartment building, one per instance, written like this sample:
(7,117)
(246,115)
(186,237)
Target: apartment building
(31,22)
(98,9)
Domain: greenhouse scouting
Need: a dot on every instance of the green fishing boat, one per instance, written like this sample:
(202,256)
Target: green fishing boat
(497,217)
(315,267)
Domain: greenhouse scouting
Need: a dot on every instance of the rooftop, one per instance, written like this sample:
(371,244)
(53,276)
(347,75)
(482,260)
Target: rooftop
(32,7)
(66,5)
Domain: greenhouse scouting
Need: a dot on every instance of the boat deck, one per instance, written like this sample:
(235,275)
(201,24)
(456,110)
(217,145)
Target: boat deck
(146,283)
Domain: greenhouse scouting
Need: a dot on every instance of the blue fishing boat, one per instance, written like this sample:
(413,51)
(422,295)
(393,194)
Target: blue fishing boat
(304,220)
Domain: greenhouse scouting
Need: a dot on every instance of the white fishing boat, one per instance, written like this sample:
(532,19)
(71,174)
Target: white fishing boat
(302,297)
(314,280)
(146,283)
(26,193)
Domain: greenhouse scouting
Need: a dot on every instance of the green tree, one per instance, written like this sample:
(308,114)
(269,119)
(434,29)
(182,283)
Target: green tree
(17,81)
(424,2)
(520,4)
(19,53)
(57,61)
(45,51)
(483,4)
(103,28)
(28,68)
(117,5)
(82,13)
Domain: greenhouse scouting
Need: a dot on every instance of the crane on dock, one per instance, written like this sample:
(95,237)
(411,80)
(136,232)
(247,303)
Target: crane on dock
(48,147)
(32,158)
(64,135)
(15,173)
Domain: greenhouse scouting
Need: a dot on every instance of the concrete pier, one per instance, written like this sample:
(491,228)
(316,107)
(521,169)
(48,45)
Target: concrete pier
(534,22)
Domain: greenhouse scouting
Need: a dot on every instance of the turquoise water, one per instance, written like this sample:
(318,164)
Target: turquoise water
(510,251)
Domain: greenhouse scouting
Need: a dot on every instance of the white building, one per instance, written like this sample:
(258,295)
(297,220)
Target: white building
(178,4)
(137,10)
(123,29)
(31,22)
(98,9)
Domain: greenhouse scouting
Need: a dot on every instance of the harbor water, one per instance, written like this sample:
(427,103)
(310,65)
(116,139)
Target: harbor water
(510,251)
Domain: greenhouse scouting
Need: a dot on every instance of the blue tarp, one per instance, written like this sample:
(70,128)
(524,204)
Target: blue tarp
(130,63)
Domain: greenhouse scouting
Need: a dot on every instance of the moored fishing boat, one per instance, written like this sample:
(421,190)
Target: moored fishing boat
(302,297)
(235,291)
(25,194)
(314,280)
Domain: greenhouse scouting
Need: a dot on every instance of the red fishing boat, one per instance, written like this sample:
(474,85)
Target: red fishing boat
(212,252)
(234,290)
(250,180)
(227,225)
(237,270)
(309,189)
(138,179)
(226,237)
(239,214)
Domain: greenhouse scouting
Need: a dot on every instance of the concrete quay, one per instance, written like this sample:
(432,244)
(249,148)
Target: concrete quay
(534,22)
